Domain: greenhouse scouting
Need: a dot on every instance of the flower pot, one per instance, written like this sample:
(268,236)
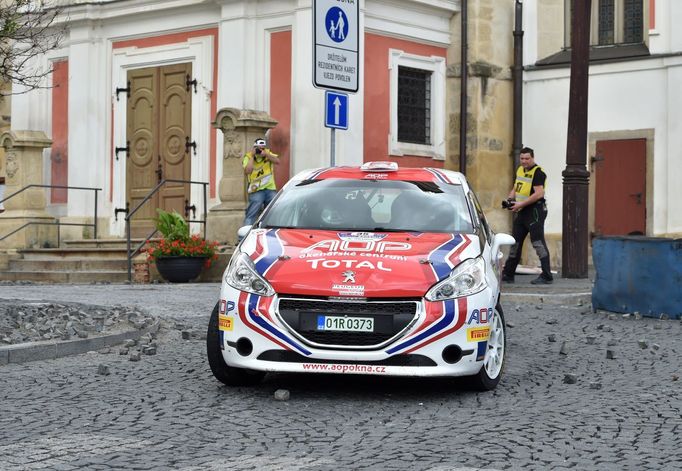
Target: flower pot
(180,269)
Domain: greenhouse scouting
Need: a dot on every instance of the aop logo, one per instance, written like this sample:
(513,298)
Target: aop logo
(480,316)
(357,246)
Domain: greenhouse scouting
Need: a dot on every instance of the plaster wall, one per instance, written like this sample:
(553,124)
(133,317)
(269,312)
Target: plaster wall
(245,79)
(622,97)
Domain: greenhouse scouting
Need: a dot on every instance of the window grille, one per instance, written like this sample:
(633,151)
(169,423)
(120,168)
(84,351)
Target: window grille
(414,105)
(633,20)
(606,22)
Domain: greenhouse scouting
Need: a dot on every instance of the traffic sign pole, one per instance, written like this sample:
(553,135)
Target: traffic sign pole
(332,156)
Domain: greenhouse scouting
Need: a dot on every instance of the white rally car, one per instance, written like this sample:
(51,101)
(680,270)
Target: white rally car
(364,270)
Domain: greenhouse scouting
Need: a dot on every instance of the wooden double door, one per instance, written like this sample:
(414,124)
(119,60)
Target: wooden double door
(158,133)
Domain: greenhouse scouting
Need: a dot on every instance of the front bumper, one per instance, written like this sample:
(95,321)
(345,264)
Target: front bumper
(443,339)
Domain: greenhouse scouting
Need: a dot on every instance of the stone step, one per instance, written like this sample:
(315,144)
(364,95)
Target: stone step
(80,252)
(102,243)
(64,264)
(66,276)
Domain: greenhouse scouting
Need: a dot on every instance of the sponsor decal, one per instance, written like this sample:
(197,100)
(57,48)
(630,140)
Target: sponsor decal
(349,290)
(316,263)
(343,368)
(376,176)
(225,306)
(373,246)
(478,334)
(480,316)
(361,236)
(225,323)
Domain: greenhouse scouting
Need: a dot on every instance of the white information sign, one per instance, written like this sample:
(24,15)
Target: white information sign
(336,37)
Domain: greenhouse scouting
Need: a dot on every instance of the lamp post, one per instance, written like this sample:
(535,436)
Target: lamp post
(576,176)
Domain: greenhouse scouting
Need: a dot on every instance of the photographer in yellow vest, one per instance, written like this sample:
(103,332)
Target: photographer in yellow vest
(527,200)
(259,169)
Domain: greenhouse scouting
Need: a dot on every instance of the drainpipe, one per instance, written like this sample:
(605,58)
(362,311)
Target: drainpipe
(463,93)
(518,80)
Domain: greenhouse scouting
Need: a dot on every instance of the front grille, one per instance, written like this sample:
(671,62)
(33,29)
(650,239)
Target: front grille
(390,319)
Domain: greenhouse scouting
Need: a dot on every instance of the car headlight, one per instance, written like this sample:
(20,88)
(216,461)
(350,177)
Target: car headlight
(241,274)
(466,279)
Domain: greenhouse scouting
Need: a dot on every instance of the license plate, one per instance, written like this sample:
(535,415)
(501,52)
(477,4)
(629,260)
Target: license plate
(345,324)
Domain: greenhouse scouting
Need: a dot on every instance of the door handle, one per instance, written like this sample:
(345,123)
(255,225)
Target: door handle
(638,196)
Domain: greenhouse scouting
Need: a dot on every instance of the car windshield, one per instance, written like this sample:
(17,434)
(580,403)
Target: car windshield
(371,205)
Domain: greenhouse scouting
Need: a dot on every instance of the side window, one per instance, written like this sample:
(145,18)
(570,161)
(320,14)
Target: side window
(486,232)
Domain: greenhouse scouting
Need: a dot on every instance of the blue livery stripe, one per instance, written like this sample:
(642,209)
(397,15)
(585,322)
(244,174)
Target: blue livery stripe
(442,324)
(482,346)
(438,257)
(275,249)
(253,306)
(437,174)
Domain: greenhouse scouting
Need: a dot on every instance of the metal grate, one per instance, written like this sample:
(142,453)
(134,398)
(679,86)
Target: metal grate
(633,20)
(414,105)
(390,319)
(606,22)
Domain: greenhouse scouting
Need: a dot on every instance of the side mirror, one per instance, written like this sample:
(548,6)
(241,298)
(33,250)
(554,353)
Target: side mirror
(242,232)
(498,241)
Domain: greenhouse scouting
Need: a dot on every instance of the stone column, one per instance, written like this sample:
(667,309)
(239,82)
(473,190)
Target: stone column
(240,128)
(23,167)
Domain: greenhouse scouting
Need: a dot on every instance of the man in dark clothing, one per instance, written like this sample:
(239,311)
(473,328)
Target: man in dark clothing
(530,211)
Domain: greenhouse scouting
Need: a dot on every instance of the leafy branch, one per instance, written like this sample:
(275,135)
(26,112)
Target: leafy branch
(27,31)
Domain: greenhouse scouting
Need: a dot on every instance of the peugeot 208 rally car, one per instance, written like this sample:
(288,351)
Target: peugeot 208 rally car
(364,270)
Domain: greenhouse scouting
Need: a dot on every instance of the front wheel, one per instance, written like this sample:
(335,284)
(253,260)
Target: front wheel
(224,373)
(493,362)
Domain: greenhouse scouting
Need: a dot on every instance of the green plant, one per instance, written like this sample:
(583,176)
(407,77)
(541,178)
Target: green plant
(176,241)
(172,226)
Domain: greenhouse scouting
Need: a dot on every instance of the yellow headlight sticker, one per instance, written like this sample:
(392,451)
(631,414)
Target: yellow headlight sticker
(478,334)
(226,323)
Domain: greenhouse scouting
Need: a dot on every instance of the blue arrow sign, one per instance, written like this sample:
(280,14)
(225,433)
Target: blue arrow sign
(336,110)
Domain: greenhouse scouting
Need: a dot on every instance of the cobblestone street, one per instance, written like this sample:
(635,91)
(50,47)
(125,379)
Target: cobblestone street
(561,404)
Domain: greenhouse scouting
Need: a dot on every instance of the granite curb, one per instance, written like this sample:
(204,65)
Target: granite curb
(49,350)
(554,299)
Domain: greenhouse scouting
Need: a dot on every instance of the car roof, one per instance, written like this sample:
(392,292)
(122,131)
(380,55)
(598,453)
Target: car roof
(436,175)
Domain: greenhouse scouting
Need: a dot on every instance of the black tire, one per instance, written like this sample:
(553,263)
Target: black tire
(482,381)
(228,375)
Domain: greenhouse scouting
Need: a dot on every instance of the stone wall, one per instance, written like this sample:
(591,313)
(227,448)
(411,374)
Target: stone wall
(490,106)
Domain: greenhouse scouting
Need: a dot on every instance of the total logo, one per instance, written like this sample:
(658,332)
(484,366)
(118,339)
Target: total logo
(357,264)
(357,246)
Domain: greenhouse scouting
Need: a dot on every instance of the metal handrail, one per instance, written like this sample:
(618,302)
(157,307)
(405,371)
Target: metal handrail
(130,215)
(58,223)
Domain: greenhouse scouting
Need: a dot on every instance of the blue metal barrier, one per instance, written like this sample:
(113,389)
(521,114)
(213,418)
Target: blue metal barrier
(638,274)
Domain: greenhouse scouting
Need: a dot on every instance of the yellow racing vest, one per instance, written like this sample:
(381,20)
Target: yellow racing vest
(524,182)
(262,176)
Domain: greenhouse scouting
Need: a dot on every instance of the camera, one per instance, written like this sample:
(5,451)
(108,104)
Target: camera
(258,150)
(508,203)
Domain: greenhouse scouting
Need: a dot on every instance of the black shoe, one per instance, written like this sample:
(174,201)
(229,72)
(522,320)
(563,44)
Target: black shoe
(541,280)
(507,278)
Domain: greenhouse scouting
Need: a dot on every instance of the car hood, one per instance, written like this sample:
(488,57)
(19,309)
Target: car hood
(362,264)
